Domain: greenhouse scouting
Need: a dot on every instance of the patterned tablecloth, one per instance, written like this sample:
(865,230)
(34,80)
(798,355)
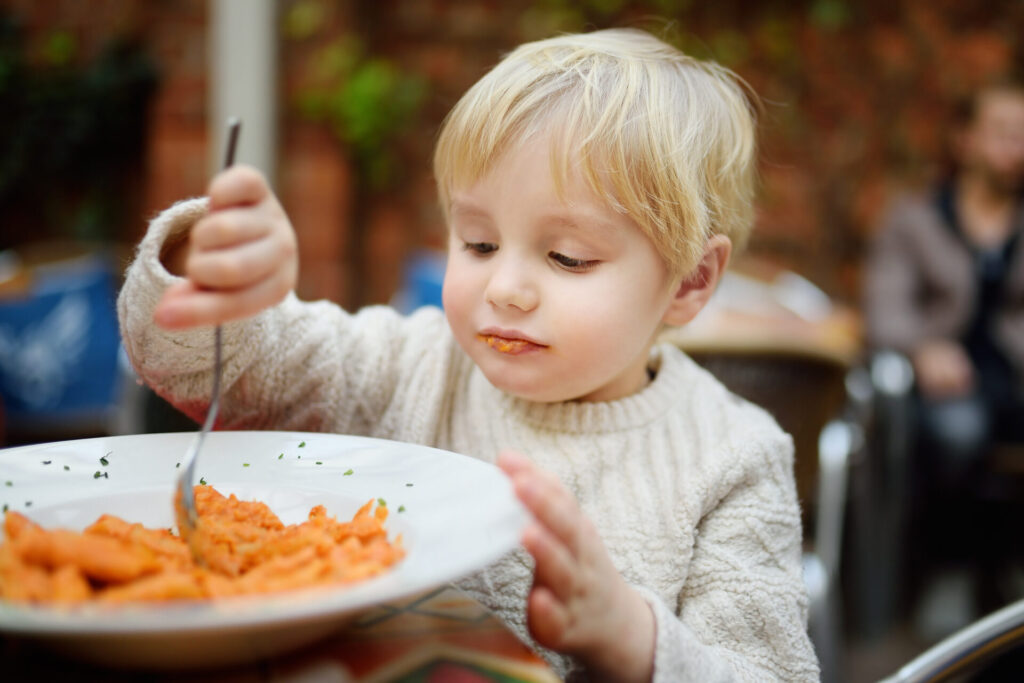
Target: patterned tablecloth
(442,636)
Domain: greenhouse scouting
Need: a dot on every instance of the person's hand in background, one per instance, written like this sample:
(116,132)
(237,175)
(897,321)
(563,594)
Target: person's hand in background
(238,260)
(943,369)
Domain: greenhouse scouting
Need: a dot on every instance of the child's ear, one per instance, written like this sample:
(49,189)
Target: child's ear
(695,289)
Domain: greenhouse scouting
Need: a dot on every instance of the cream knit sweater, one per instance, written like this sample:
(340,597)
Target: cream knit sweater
(690,487)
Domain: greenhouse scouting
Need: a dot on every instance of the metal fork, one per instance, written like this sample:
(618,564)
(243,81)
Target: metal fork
(185,500)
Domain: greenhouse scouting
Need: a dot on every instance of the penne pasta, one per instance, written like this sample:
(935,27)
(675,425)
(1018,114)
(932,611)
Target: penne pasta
(245,549)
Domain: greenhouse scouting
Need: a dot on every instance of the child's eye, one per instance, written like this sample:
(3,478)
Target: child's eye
(480,247)
(570,263)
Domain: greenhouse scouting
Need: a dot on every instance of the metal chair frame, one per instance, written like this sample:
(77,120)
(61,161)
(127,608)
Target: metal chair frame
(969,647)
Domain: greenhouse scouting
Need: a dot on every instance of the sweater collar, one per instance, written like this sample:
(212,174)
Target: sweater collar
(574,417)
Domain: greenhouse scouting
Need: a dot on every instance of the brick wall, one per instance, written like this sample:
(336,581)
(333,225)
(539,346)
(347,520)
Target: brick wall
(856,98)
(174,34)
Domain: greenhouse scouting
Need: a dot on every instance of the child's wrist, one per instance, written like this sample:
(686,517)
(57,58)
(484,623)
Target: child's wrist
(627,651)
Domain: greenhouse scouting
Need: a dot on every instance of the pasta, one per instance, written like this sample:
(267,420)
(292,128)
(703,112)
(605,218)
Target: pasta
(245,548)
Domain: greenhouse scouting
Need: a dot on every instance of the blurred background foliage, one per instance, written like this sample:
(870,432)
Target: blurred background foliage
(367,102)
(856,94)
(73,134)
(857,99)
(370,103)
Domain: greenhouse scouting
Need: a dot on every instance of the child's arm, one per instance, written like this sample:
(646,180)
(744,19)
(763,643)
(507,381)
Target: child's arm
(296,365)
(744,602)
(742,614)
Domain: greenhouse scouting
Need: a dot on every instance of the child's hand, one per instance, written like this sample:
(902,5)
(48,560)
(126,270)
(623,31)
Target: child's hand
(238,260)
(579,604)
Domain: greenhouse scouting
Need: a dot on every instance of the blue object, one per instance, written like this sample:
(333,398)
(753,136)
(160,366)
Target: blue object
(422,281)
(59,345)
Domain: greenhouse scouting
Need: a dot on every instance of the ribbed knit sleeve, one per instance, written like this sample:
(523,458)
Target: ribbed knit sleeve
(742,612)
(297,365)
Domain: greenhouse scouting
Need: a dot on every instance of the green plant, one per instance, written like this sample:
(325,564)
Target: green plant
(369,102)
(72,135)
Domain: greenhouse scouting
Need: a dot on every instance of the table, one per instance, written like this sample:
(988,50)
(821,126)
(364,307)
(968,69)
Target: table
(760,306)
(835,337)
(439,636)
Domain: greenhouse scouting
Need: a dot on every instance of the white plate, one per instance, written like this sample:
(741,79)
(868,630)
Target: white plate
(455,514)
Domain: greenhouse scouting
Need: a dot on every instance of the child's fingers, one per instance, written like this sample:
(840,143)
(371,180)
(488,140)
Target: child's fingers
(547,618)
(554,564)
(199,308)
(545,496)
(240,266)
(173,309)
(186,306)
(237,186)
(513,462)
(175,292)
(227,228)
(551,505)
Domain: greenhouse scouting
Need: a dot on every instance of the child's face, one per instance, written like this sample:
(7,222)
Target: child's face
(552,300)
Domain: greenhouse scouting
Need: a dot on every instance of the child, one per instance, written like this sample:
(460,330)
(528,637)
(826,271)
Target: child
(593,186)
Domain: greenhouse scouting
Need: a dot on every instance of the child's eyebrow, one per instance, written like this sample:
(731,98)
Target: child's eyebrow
(581,222)
(574,219)
(462,208)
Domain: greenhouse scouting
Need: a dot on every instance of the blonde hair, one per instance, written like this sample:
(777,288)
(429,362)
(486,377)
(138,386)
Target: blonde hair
(664,138)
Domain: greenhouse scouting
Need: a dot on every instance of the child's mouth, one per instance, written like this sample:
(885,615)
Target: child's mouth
(512,347)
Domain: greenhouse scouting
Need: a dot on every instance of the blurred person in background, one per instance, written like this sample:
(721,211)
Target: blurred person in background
(944,285)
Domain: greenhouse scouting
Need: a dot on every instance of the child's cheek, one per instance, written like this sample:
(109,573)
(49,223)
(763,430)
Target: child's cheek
(457,307)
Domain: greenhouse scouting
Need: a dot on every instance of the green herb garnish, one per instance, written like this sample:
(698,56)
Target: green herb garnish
(8,483)
(302,445)
(383,503)
(66,468)
(245,464)
(280,456)
(47,462)
(319,463)
(202,480)
(401,508)
(28,503)
(408,484)
(348,472)
(177,465)
(5,507)
(104,461)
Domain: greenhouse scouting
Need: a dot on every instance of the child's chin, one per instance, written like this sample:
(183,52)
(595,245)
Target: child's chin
(528,392)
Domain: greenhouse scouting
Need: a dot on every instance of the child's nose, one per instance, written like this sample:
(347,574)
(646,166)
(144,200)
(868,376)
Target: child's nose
(510,286)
